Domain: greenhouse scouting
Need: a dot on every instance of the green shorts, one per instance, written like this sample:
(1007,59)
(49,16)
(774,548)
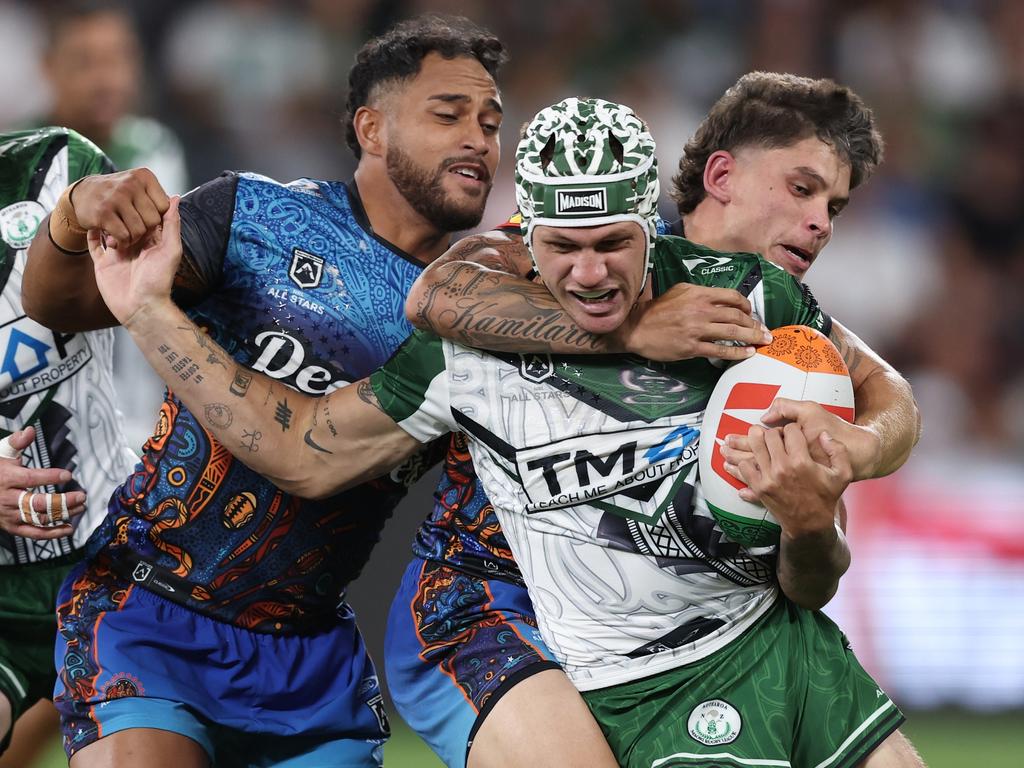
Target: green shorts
(28,618)
(788,692)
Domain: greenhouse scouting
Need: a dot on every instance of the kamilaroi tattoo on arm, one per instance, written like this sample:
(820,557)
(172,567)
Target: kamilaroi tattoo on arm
(499,311)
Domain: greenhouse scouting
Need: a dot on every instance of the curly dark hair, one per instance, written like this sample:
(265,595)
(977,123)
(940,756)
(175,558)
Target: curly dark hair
(398,55)
(772,110)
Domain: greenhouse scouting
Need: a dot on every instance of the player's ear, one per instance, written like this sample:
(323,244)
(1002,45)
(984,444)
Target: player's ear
(718,175)
(370,129)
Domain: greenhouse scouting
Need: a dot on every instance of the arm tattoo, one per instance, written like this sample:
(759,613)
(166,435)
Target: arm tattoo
(488,311)
(240,384)
(312,443)
(367,395)
(182,365)
(204,341)
(250,440)
(851,355)
(218,415)
(283,415)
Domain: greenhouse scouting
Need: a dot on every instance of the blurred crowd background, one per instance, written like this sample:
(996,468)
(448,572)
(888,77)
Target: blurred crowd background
(927,264)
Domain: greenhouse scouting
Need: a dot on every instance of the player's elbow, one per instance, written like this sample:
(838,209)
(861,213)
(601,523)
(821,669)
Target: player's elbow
(305,485)
(415,303)
(319,477)
(812,599)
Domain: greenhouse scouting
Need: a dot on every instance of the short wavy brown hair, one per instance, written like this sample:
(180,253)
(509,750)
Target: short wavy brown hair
(772,110)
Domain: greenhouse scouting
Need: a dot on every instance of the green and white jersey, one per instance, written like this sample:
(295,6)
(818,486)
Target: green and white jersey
(61,383)
(591,464)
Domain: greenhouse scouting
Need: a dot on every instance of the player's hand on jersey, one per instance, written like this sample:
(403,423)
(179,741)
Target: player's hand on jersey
(133,277)
(127,206)
(781,474)
(863,444)
(691,321)
(38,515)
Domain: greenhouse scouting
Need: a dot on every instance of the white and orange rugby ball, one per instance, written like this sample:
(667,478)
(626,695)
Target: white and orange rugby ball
(799,364)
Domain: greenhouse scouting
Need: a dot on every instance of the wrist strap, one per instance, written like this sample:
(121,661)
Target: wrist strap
(66,234)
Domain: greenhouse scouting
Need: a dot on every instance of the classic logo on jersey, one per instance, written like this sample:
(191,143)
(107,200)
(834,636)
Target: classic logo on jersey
(282,356)
(714,722)
(587,201)
(536,368)
(641,466)
(34,358)
(19,222)
(710,265)
(307,269)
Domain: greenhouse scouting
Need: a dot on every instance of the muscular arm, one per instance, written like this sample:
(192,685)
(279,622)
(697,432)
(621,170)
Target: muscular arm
(475,295)
(811,565)
(805,497)
(307,446)
(886,410)
(59,287)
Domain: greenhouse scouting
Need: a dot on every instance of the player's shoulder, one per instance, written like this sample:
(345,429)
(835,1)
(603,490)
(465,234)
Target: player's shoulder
(677,259)
(34,142)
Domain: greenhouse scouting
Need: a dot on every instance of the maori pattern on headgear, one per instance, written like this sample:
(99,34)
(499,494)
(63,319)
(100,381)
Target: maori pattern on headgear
(587,162)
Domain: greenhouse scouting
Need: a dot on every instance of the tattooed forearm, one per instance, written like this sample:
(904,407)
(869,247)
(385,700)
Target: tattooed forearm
(182,365)
(851,354)
(240,384)
(485,309)
(283,415)
(218,415)
(204,341)
(313,444)
(250,440)
(367,395)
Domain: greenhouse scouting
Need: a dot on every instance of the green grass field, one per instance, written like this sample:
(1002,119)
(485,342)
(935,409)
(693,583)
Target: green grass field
(945,739)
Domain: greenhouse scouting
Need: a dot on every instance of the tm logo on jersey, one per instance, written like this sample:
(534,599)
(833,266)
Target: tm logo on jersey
(582,469)
(34,358)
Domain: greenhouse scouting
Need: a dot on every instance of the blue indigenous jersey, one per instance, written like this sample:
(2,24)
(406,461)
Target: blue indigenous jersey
(291,281)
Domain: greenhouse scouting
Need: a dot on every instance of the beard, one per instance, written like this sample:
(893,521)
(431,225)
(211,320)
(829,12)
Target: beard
(425,193)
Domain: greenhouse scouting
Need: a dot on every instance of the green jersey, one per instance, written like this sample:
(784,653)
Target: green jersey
(591,464)
(61,383)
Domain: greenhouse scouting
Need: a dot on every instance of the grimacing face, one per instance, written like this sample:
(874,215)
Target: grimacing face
(595,273)
(784,201)
(443,146)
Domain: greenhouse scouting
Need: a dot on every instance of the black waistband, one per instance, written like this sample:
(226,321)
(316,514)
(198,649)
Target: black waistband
(151,576)
(162,582)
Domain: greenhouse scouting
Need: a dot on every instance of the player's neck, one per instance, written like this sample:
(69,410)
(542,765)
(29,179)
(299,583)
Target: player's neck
(703,227)
(394,220)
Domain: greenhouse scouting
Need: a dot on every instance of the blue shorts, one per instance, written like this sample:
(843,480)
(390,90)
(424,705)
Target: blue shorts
(127,658)
(455,644)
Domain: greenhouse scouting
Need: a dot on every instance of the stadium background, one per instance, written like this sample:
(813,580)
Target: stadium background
(925,266)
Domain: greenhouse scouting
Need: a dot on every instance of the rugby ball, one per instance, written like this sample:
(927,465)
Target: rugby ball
(799,364)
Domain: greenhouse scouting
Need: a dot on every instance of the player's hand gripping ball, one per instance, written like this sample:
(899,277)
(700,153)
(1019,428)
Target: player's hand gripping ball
(800,364)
